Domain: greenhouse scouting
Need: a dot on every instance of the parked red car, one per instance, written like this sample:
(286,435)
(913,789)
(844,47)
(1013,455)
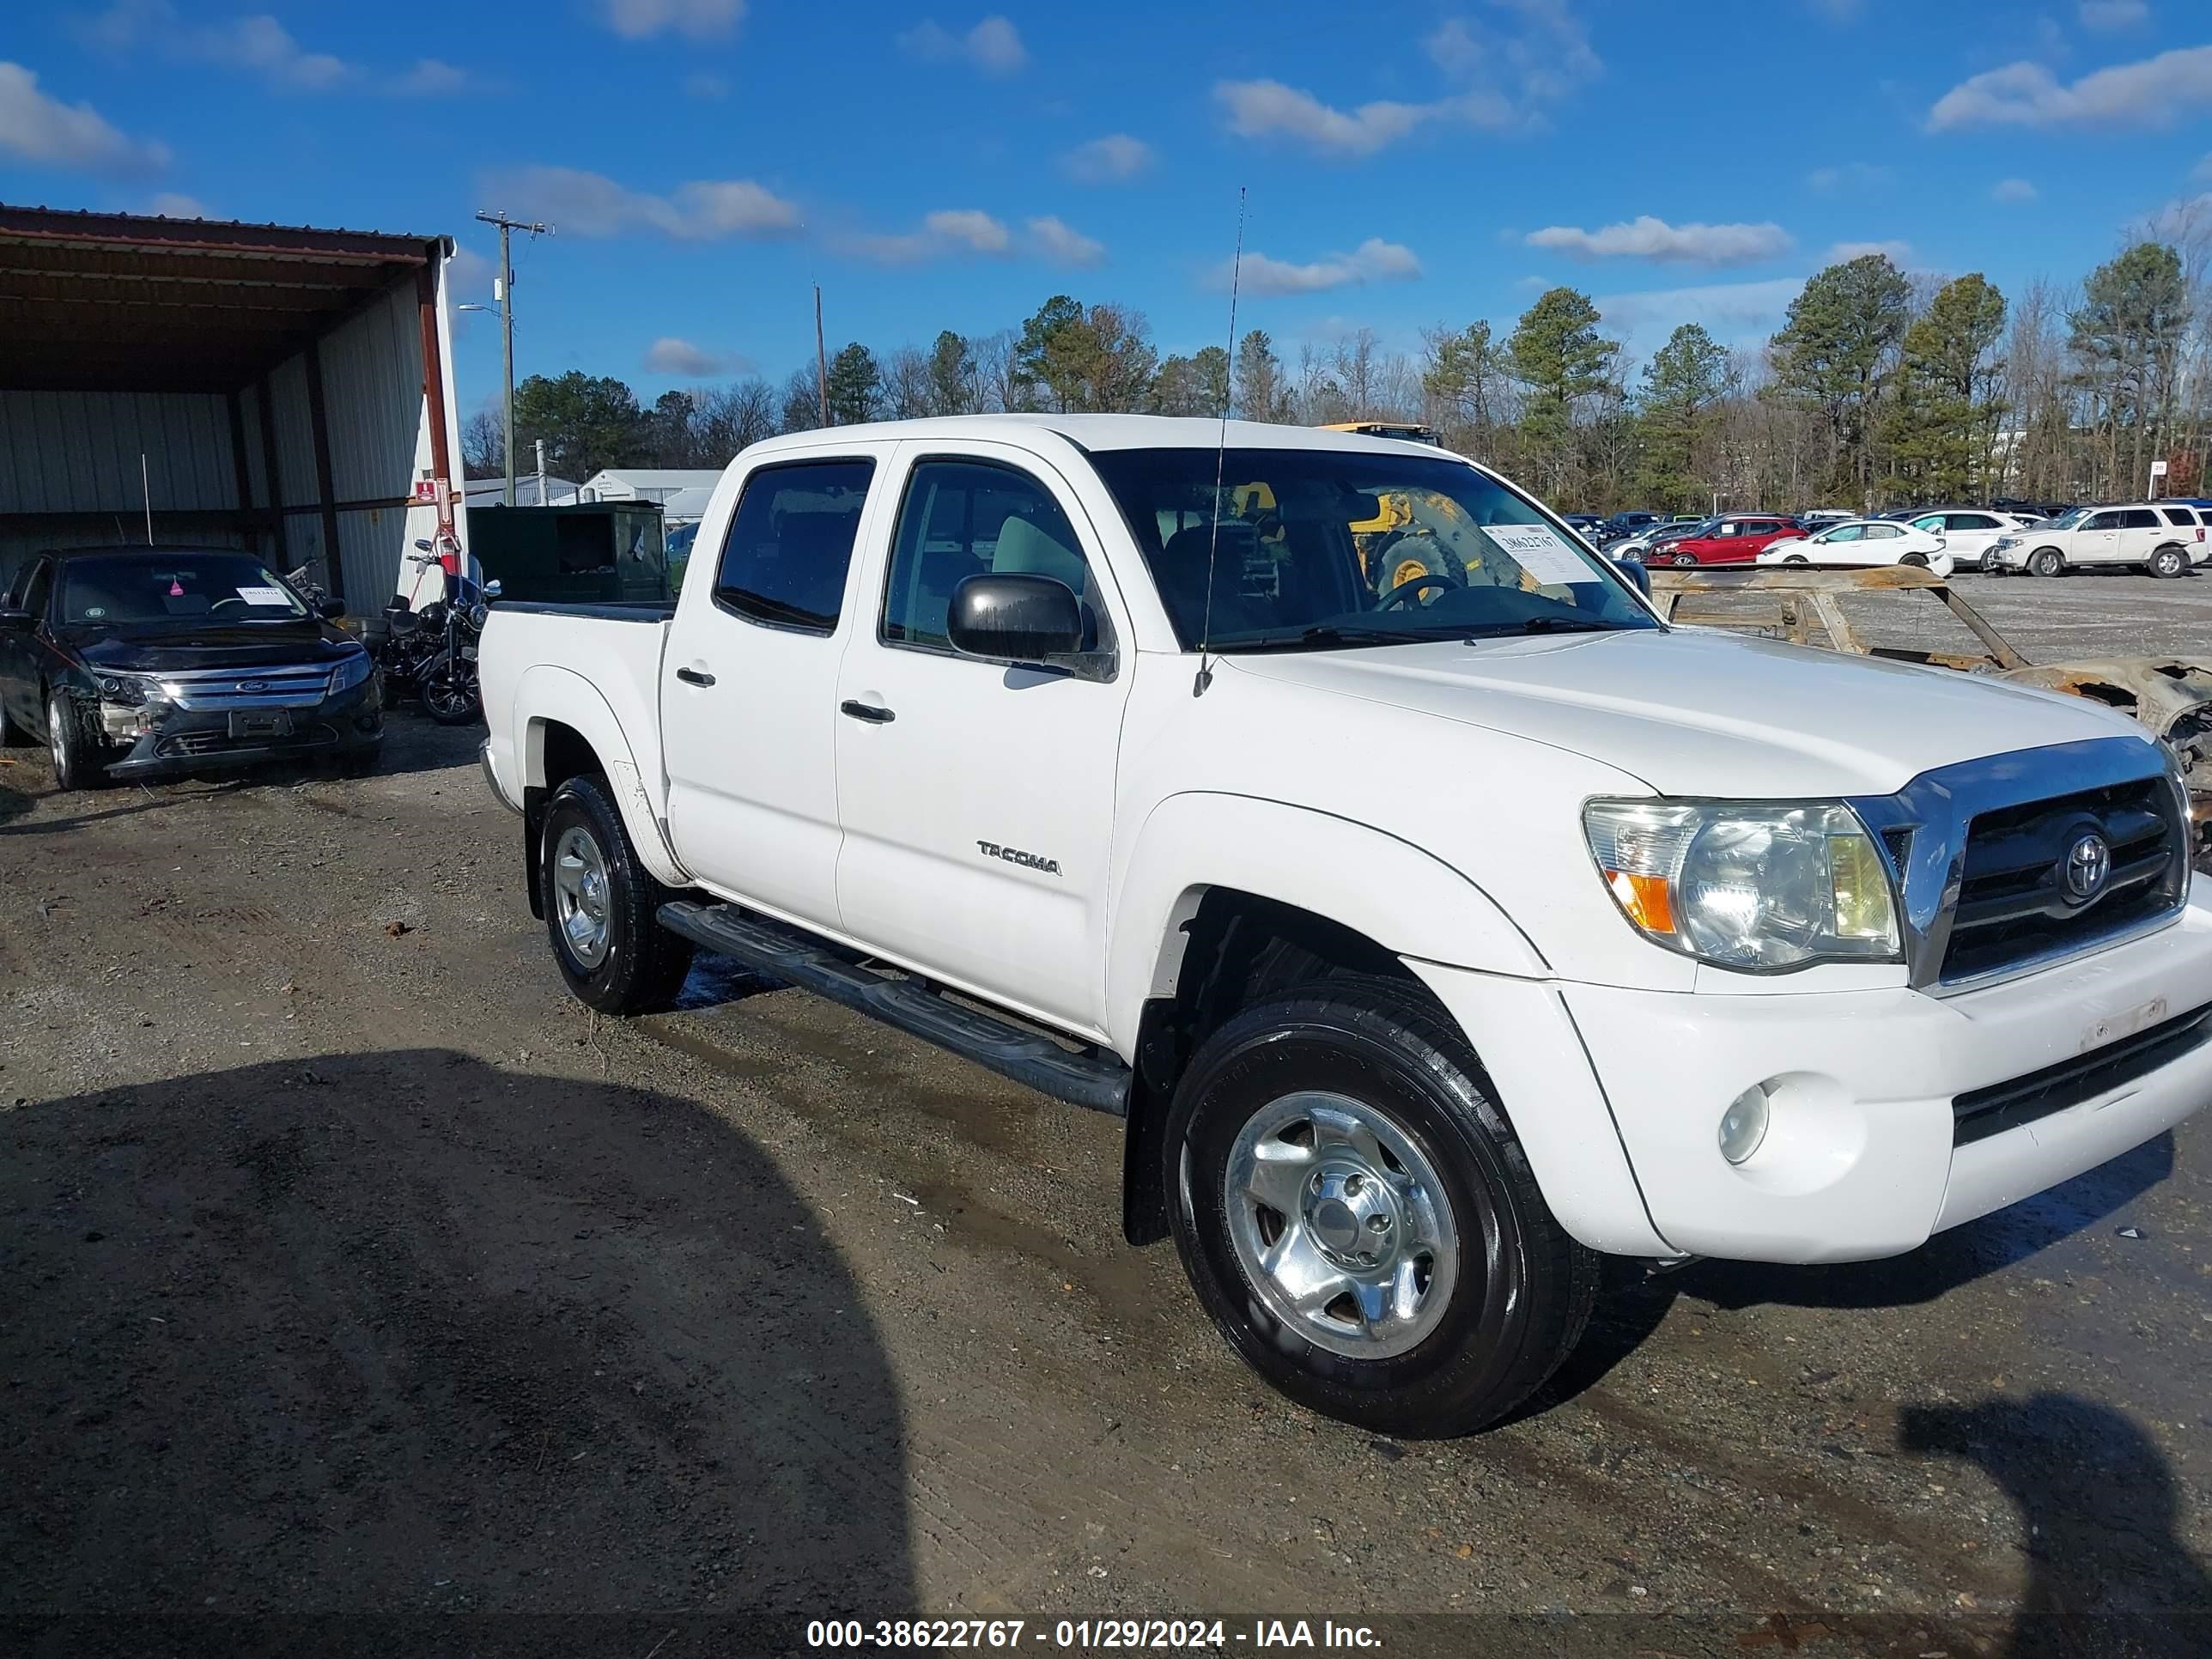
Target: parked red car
(1737,539)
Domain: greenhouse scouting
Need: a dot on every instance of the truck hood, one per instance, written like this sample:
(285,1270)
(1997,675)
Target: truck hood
(1692,713)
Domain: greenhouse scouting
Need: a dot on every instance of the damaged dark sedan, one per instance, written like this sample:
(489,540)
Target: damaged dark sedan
(137,661)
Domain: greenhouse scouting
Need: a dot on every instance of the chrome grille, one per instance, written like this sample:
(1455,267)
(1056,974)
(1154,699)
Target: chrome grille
(1979,849)
(290,685)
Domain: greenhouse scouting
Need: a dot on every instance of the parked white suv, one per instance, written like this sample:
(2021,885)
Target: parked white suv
(2161,536)
(1969,533)
(1433,937)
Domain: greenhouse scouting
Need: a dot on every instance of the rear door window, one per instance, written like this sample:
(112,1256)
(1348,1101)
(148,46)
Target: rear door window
(2139,518)
(790,543)
(2180,516)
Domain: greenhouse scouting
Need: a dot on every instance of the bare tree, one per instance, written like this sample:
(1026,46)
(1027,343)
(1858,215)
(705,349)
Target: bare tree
(484,444)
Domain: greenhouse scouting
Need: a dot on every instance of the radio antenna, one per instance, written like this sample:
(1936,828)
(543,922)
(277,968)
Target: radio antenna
(1220,461)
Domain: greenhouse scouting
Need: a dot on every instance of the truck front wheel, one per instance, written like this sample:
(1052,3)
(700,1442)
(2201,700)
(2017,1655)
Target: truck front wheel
(1358,1218)
(600,905)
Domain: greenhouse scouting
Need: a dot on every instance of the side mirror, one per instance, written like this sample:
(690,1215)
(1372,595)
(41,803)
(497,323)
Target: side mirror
(1634,570)
(492,589)
(22,621)
(423,545)
(331,609)
(1015,618)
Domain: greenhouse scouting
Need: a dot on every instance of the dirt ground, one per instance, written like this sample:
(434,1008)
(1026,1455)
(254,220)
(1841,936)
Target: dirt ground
(364,1292)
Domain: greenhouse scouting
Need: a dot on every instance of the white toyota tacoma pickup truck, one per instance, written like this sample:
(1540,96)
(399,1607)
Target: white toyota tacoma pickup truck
(1436,918)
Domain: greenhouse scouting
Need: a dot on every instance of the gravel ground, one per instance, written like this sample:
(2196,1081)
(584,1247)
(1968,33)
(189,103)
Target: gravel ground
(365,1292)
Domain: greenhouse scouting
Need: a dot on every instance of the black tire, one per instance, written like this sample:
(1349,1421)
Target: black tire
(1683,561)
(1523,1288)
(2167,562)
(1918,560)
(1991,565)
(642,964)
(452,695)
(80,756)
(2046,562)
(1797,558)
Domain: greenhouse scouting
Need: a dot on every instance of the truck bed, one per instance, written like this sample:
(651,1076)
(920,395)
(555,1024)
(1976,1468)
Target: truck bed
(601,611)
(621,640)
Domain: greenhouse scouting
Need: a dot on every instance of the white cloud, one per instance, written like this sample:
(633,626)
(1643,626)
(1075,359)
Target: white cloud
(1896,253)
(702,83)
(468,272)
(37,128)
(174,204)
(1524,56)
(258,42)
(2114,14)
(1373,261)
(1058,244)
(1649,238)
(2013,190)
(2153,93)
(993,46)
(669,355)
(1734,310)
(431,77)
(1852,175)
(695,20)
(1109,160)
(592,204)
(947,232)
(1268,109)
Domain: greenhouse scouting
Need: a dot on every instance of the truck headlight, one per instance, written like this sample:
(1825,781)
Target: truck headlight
(1747,884)
(351,672)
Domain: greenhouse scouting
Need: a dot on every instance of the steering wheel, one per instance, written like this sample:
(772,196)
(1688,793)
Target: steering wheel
(1404,590)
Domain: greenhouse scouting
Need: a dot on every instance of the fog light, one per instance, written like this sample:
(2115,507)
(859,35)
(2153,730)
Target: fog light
(1743,1126)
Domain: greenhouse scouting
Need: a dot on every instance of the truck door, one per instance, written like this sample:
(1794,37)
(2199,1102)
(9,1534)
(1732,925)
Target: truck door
(747,704)
(977,797)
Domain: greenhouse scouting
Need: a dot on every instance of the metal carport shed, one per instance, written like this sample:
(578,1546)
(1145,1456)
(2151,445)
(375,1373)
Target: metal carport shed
(289,390)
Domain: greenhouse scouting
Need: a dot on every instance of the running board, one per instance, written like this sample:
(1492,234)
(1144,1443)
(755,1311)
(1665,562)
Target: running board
(1097,1080)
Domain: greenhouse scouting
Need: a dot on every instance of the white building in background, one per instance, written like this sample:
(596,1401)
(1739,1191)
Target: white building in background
(492,492)
(681,491)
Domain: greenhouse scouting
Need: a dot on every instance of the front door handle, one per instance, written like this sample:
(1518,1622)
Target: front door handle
(867,711)
(693,677)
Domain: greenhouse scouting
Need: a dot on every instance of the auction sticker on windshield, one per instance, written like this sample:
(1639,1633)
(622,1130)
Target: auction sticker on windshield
(263,595)
(1537,548)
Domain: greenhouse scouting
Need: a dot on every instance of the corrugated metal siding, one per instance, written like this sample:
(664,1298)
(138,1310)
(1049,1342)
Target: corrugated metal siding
(373,399)
(78,451)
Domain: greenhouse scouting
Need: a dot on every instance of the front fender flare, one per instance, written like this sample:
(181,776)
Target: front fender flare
(1405,899)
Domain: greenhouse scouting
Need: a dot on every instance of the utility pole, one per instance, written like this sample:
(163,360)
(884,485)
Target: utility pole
(821,364)
(506,297)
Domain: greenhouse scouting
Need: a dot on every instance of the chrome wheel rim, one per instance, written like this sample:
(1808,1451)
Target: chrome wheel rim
(580,896)
(55,737)
(1340,1224)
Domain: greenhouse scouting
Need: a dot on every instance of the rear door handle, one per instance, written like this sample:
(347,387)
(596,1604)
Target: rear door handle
(867,711)
(693,677)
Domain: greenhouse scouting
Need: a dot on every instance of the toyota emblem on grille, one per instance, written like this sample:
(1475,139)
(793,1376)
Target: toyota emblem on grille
(2088,864)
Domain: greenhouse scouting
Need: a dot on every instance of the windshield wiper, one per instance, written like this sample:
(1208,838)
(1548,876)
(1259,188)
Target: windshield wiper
(1551,625)
(1329,636)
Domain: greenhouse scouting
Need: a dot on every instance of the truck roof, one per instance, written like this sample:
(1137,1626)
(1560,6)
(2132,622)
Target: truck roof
(1104,432)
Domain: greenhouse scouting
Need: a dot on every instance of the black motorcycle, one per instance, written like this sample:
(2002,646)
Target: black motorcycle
(432,652)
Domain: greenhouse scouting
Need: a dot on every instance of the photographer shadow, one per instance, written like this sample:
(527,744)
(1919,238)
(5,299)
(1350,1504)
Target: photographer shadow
(403,1352)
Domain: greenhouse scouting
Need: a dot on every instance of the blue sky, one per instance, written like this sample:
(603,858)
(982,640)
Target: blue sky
(936,165)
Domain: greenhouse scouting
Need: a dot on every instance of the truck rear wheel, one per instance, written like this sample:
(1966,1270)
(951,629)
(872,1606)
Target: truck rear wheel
(601,907)
(1358,1218)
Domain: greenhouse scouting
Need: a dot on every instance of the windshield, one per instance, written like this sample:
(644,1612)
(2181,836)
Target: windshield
(163,585)
(1323,547)
(2070,519)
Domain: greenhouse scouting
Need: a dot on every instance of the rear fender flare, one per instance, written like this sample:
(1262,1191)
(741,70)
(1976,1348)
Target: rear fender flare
(547,695)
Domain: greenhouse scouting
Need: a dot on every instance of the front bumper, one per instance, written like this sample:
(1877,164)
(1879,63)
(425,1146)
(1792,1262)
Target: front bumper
(1863,1156)
(184,741)
(1616,1096)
